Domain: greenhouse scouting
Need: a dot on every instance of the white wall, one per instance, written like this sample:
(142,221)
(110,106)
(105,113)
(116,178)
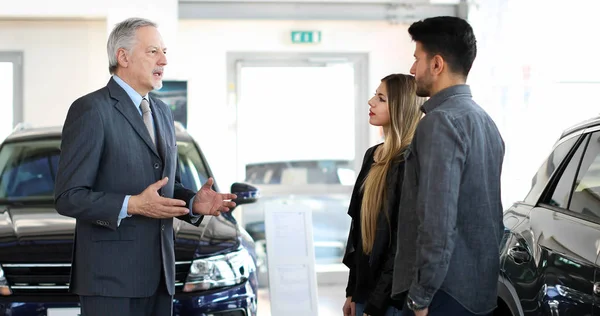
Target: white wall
(67,59)
(203,46)
(534,75)
(164,12)
(79,9)
(63,60)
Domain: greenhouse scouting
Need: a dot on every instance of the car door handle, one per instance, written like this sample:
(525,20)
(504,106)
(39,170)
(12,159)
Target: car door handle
(519,254)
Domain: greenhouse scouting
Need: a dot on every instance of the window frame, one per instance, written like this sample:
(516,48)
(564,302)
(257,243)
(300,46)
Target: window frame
(203,160)
(551,186)
(533,201)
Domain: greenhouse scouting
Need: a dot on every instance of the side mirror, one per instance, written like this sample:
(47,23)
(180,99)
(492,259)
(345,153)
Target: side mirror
(246,193)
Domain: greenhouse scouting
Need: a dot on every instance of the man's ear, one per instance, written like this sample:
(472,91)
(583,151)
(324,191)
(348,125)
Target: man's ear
(437,65)
(122,57)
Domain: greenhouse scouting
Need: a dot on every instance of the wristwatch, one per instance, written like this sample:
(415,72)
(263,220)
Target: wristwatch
(413,306)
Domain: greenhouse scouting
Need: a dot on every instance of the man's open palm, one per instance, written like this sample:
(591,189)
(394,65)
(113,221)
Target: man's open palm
(210,202)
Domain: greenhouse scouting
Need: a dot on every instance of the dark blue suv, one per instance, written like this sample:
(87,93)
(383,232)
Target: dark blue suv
(215,263)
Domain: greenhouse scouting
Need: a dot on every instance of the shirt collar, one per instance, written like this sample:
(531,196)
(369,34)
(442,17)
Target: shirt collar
(440,97)
(133,95)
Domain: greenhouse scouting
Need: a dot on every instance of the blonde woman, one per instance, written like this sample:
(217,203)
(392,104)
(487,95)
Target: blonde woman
(371,243)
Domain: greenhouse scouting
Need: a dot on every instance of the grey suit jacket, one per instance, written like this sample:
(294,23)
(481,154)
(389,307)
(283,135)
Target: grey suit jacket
(107,153)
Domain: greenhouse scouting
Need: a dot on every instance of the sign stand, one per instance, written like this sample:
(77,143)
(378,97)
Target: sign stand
(290,260)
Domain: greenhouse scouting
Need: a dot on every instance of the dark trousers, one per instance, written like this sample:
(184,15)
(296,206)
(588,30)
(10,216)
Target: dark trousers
(159,304)
(443,304)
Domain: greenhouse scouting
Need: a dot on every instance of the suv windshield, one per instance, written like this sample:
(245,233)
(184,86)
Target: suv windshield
(28,168)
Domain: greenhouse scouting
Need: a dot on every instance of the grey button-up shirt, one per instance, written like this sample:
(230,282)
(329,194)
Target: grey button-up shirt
(450,216)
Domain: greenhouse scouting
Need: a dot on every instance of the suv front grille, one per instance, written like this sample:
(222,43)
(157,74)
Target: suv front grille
(38,278)
(53,278)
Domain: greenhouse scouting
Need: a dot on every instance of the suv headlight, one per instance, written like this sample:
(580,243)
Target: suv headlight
(4,288)
(219,271)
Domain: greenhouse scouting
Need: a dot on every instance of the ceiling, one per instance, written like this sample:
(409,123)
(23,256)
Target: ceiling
(394,11)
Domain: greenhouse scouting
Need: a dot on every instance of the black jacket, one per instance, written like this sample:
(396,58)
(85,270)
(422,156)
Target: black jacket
(381,260)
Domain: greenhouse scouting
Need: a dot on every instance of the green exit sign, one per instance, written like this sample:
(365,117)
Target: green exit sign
(303,37)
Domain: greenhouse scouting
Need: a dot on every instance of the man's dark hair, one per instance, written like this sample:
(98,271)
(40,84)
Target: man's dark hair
(447,36)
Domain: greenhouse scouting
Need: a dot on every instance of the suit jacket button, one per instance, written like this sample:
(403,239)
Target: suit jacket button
(162,227)
(156,165)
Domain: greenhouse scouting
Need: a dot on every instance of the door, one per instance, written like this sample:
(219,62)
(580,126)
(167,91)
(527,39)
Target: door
(585,202)
(551,256)
(11,91)
(567,226)
(302,130)
(301,123)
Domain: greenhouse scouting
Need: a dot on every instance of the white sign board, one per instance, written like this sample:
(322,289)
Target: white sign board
(291,259)
(75,311)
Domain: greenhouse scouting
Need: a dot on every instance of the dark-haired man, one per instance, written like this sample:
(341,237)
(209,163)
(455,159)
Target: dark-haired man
(451,212)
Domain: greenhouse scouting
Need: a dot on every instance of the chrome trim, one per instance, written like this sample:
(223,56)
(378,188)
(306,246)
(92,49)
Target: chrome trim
(591,129)
(567,137)
(182,262)
(37,287)
(35,265)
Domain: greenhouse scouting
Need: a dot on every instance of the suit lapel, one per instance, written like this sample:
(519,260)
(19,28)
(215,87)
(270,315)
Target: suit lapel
(129,111)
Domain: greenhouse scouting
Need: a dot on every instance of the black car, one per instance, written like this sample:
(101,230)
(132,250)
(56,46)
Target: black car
(215,263)
(549,255)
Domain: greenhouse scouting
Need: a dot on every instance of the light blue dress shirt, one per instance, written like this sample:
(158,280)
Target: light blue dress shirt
(137,100)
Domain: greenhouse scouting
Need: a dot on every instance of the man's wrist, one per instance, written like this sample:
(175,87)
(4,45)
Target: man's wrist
(131,205)
(192,204)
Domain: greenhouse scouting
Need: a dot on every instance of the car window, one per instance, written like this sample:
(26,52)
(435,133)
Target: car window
(301,172)
(191,166)
(564,186)
(28,169)
(542,177)
(586,194)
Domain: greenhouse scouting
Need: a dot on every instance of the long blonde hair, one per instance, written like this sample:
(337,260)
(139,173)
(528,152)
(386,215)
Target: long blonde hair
(405,113)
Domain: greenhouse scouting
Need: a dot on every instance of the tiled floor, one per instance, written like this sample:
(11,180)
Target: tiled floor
(331,300)
(331,291)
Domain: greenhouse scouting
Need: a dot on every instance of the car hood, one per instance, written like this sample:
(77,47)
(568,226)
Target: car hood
(35,232)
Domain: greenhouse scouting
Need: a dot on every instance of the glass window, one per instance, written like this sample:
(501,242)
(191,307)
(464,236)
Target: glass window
(586,195)
(541,178)
(6,94)
(191,167)
(564,187)
(28,169)
(301,172)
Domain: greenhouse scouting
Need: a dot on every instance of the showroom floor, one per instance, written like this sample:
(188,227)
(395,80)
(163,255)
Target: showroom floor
(331,300)
(331,280)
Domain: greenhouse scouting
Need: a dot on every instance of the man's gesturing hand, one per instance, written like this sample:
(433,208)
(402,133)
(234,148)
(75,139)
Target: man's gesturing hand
(209,202)
(150,204)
